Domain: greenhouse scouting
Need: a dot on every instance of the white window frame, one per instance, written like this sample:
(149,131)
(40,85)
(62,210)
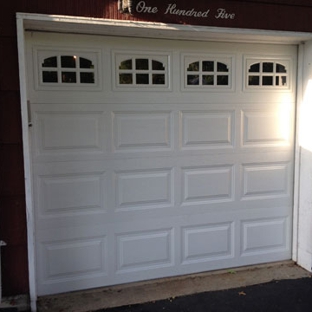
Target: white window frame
(163,57)
(251,60)
(41,53)
(217,58)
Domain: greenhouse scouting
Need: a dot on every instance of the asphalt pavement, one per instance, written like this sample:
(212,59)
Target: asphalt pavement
(293,295)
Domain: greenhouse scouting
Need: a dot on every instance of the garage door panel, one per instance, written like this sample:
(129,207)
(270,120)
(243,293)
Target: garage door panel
(72,265)
(205,243)
(264,235)
(147,131)
(144,189)
(267,127)
(197,242)
(207,184)
(151,185)
(207,129)
(71,194)
(73,259)
(134,252)
(67,132)
(262,180)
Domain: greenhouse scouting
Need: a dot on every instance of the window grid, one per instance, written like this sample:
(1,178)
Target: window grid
(67,69)
(267,74)
(141,71)
(207,73)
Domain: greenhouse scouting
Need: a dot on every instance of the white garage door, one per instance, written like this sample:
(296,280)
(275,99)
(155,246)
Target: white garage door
(156,158)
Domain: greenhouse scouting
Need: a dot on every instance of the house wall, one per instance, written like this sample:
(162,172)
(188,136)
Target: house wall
(291,15)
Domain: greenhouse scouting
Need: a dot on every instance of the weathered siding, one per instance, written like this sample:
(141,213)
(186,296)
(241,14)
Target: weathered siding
(278,14)
(12,198)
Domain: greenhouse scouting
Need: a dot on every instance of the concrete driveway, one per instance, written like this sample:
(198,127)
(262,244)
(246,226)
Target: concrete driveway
(167,289)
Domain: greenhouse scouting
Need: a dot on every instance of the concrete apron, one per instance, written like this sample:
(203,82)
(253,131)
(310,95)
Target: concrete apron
(134,293)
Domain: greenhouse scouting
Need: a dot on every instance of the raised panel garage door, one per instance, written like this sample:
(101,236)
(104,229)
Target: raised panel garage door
(157,158)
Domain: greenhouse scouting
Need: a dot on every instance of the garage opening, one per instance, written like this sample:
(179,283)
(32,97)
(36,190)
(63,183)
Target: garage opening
(154,158)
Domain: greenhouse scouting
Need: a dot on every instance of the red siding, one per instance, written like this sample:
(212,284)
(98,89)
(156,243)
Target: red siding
(10,114)
(9,67)
(14,256)
(274,14)
(12,199)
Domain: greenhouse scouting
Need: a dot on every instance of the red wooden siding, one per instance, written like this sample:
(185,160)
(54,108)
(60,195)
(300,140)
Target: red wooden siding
(12,193)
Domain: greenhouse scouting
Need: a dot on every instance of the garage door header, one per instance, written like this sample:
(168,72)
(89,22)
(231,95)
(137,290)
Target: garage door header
(99,26)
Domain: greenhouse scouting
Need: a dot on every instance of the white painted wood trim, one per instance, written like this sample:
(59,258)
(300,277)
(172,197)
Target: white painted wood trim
(304,246)
(84,25)
(297,154)
(27,164)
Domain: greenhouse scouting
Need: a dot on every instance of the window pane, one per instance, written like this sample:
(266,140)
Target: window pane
(126,64)
(280,80)
(222,67)
(68,61)
(50,62)
(157,65)
(267,67)
(193,67)
(267,81)
(255,68)
(141,64)
(208,66)
(280,68)
(254,81)
(223,80)
(125,79)
(85,63)
(193,80)
(158,79)
(69,77)
(49,76)
(208,80)
(87,77)
(142,79)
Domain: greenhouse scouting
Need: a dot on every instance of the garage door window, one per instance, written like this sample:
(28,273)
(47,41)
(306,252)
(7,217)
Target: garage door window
(66,69)
(207,72)
(266,73)
(142,71)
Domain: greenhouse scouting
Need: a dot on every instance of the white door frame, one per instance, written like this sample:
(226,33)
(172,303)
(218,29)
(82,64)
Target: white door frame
(82,25)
